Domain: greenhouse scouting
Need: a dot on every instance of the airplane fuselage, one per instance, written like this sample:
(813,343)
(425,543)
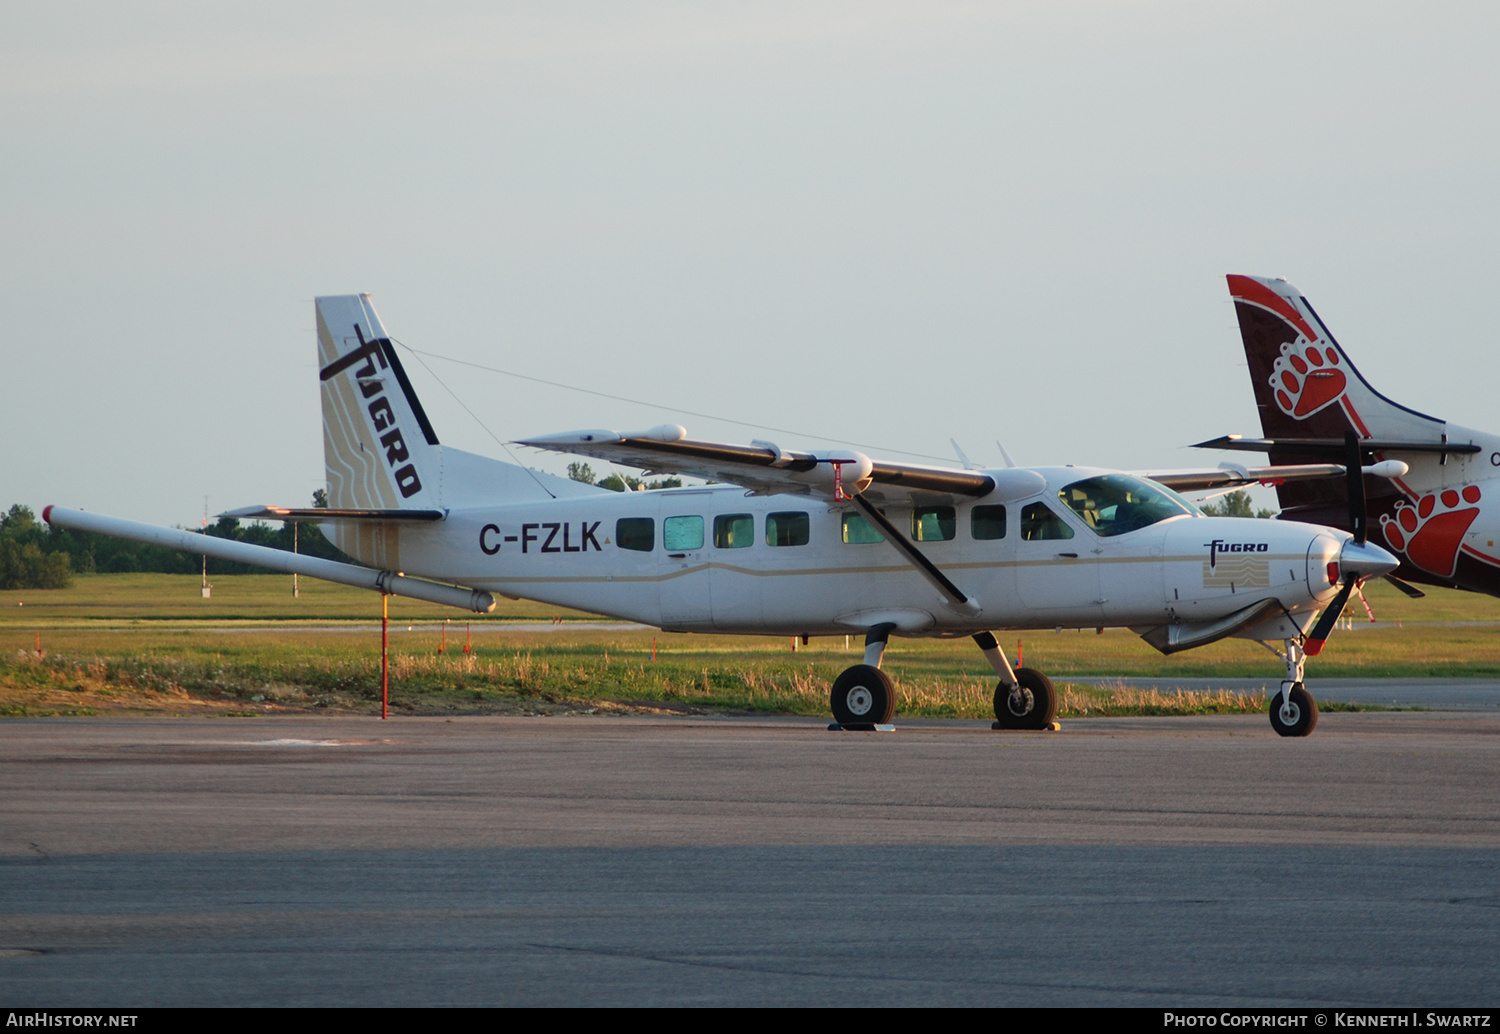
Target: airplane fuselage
(718,559)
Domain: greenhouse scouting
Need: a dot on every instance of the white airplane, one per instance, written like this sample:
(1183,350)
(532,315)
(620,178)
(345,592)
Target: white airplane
(801,543)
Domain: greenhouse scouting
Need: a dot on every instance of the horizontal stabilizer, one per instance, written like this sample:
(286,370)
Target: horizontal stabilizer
(390,582)
(292,513)
(1335,446)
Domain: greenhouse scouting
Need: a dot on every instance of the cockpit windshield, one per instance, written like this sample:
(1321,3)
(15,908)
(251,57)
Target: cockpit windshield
(1114,504)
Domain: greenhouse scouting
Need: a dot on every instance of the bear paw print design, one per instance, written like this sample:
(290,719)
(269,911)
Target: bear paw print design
(1430,532)
(1306,378)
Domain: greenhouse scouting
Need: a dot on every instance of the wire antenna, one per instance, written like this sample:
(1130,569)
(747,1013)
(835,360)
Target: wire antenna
(478,421)
(655,405)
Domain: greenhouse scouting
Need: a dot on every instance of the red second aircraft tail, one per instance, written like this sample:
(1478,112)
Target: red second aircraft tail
(1305,385)
(1309,394)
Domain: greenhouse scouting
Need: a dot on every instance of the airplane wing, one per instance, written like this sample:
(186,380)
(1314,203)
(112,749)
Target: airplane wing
(1230,475)
(767,469)
(293,513)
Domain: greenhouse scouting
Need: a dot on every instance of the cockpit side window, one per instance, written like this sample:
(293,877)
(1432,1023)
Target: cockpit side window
(1038,523)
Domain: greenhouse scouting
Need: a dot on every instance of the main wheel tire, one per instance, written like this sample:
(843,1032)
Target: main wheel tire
(863,695)
(1301,715)
(1032,706)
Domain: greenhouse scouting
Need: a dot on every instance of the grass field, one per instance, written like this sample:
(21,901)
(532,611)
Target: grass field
(122,600)
(116,644)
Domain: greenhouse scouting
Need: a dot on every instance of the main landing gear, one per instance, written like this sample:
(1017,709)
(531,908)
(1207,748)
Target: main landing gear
(1024,698)
(1294,712)
(864,697)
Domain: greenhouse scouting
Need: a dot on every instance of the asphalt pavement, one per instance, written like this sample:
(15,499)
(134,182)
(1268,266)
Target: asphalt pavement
(645,861)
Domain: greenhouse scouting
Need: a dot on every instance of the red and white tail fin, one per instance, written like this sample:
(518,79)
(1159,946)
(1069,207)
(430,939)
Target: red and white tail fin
(1305,385)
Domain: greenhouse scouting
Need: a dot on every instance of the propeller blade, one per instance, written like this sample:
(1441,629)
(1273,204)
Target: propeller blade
(1355,479)
(1319,635)
(1410,590)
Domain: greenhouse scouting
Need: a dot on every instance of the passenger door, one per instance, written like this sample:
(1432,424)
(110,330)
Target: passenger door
(686,600)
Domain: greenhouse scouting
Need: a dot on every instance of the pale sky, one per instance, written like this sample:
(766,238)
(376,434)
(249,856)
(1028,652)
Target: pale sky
(881,223)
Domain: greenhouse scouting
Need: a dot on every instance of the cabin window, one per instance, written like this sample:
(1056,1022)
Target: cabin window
(734,531)
(787,528)
(858,530)
(987,522)
(1038,522)
(933,523)
(638,533)
(681,534)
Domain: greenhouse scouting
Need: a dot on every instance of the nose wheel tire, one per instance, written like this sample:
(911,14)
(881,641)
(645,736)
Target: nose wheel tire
(1031,705)
(863,696)
(1299,715)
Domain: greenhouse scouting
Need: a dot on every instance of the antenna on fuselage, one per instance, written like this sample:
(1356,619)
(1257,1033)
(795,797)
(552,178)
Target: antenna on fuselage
(968,465)
(1008,461)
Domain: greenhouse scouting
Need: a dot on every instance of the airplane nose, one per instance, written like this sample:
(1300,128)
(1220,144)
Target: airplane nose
(1365,560)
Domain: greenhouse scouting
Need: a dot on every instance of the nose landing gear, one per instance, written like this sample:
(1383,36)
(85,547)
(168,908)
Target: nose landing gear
(1294,712)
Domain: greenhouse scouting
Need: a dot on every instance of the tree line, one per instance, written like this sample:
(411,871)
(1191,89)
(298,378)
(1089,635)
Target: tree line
(1236,504)
(35,555)
(619,483)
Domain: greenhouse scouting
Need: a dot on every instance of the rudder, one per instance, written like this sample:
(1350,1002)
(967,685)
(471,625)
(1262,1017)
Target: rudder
(1305,386)
(379,449)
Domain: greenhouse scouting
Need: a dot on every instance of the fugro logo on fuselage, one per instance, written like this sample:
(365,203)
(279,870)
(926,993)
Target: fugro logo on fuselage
(1218,546)
(382,416)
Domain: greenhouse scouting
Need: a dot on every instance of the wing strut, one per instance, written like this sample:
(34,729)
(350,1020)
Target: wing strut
(926,568)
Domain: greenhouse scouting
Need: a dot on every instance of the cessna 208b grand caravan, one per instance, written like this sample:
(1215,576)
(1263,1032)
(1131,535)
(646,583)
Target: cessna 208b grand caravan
(1442,517)
(801,543)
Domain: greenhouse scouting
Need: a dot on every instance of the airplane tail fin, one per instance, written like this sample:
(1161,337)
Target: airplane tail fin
(1307,388)
(379,449)
(1305,385)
